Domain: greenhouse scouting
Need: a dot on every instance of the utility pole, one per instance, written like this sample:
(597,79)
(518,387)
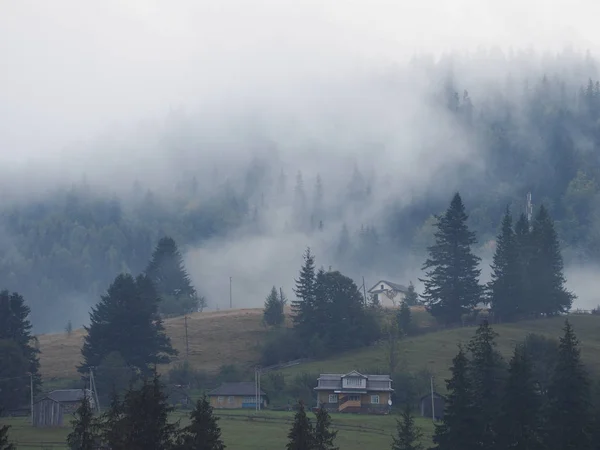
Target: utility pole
(364,291)
(94,390)
(31,395)
(230,296)
(432,403)
(187,347)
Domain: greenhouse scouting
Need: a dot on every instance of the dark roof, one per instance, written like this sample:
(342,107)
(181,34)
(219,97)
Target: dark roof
(396,286)
(242,388)
(435,394)
(69,395)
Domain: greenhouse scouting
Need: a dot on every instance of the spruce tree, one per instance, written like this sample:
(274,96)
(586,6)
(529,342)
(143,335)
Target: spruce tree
(519,424)
(4,442)
(404,318)
(525,249)
(85,431)
(505,290)
(301,433)
(203,433)
(457,430)
(568,410)
(303,306)
(167,271)
(273,312)
(486,370)
(548,281)
(126,320)
(408,435)
(451,284)
(411,298)
(15,327)
(324,437)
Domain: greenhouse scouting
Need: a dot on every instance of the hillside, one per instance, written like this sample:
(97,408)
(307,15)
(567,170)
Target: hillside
(215,338)
(434,351)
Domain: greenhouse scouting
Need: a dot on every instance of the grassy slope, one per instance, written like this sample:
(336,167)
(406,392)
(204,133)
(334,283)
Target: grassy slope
(239,432)
(435,351)
(215,338)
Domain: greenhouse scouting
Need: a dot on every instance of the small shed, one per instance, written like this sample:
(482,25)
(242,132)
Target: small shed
(47,412)
(435,400)
(70,399)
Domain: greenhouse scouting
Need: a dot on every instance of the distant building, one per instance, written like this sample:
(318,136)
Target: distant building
(47,413)
(236,396)
(355,392)
(439,404)
(70,399)
(388,293)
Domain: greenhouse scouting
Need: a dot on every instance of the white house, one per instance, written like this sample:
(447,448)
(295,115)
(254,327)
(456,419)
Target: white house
(388,293)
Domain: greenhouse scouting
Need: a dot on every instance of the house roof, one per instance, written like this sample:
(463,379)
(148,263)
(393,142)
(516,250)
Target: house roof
(242,388)
(69,395)
(435,394)
(395,286)
(333,381)
(354,373)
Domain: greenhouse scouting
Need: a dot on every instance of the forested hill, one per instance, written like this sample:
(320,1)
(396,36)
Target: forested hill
(534,130)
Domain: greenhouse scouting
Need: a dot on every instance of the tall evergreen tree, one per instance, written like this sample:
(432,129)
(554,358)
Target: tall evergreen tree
(404,318)
(486,370)
(4,442)
(525,250)
(85,434)
(126,320)
(568,411)
(203,433)
(15,327)
(548,281)
(451,285)
(273,312)
(303,306)
(457,430)
(519,424)
(324,437)
(167,271)
(408,435)
(505,290)
(301,433)
(411,298)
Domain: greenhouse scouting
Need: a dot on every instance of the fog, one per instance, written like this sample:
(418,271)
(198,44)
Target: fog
(157,91)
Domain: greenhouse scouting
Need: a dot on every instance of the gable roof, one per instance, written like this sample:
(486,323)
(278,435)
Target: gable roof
(69,395)
(435,395)
(242,388)
(395,286)
(354,373)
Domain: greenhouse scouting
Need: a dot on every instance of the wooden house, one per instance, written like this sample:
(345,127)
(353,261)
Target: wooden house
(70,399)
(388,294)
(240,395)
(434,401)
(47,413)
(355,392)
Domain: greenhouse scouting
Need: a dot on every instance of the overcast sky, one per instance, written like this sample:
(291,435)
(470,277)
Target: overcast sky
(71,68)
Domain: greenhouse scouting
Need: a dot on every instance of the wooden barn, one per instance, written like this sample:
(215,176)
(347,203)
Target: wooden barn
(435,401)
(47,412)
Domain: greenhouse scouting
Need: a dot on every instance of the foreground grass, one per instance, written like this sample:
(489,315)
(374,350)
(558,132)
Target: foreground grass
(244,430)
(434,351)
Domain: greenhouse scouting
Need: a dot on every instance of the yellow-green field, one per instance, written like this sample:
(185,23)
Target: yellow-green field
(243,430)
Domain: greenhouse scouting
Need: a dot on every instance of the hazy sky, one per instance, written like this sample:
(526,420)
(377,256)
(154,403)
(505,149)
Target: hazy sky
(71,68)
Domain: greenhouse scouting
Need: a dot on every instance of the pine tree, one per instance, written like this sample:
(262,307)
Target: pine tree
(303,307)
(404,318)
(16,327)
(273,312)
(452,287)
(525,249)
(85,431)
(505,290)
(203,433)
(408,435)
(568,411)
(323,435)
(548,281)
(411,298)
(519,423)
(4,442)
(126,320)
(457,428)
(301,433)
(167,272)
(486,370)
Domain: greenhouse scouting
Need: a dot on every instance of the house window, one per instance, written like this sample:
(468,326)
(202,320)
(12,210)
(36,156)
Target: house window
(354,398)
(332,398)
(230,399)
(375,399)
(220,399)
(353,382)
(249,399)
(382,287)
